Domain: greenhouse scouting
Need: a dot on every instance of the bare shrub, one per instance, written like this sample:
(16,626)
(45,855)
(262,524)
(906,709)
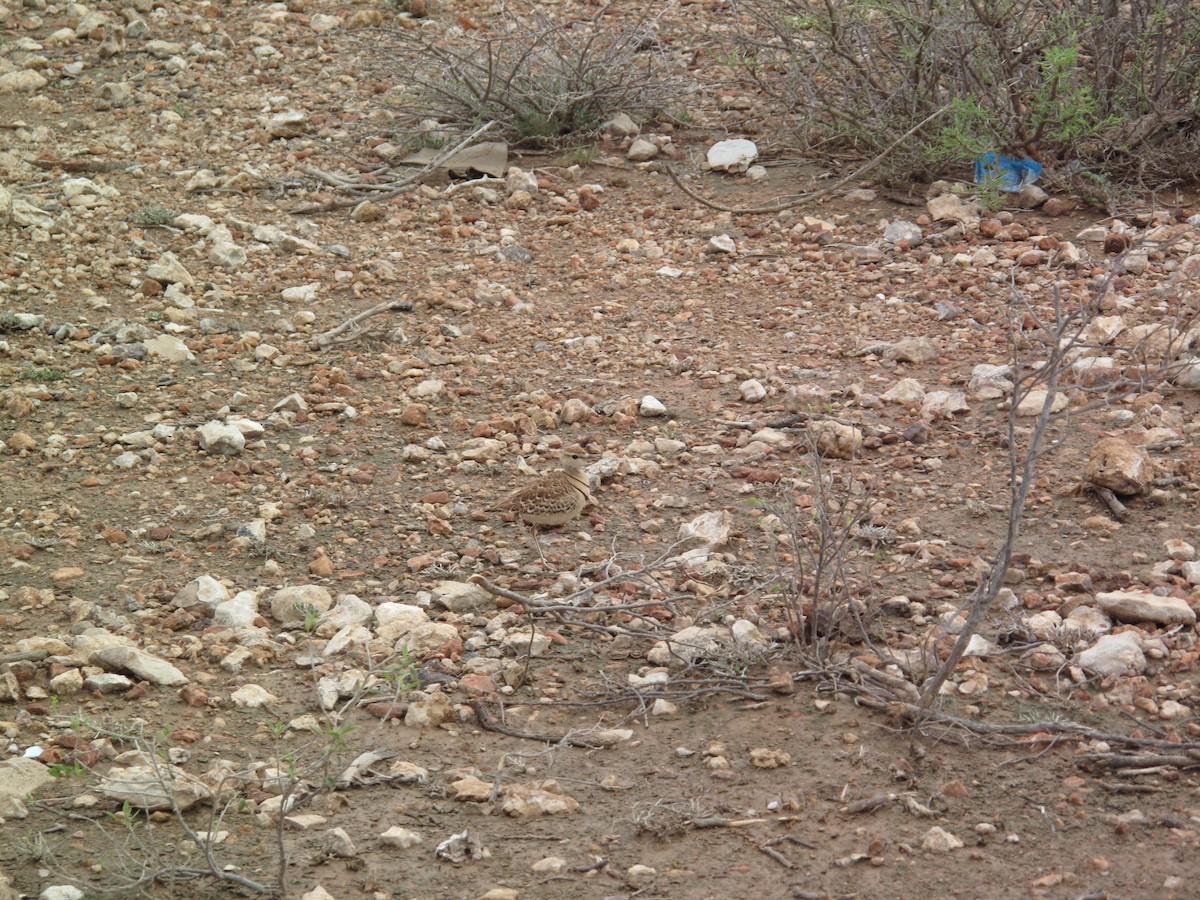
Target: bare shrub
(542,80)
(1108,89)
(821,536)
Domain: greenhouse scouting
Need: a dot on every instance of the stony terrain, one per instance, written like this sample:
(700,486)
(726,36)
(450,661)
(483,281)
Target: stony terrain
(255,599)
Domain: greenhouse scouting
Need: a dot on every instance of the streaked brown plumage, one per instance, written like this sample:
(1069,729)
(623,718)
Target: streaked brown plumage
(553,499)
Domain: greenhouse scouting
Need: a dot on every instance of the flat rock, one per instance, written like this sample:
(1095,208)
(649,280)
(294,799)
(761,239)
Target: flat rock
(1140,606)
(139,663)
(154,787)
(20,777)
(732,156)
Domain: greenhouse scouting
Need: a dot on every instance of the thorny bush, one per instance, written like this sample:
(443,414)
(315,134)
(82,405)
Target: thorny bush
(1100,91)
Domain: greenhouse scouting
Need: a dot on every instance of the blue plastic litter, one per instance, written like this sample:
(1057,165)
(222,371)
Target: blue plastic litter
(1007,172)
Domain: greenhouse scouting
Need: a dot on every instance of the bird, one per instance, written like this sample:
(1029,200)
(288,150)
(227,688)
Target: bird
(553,499)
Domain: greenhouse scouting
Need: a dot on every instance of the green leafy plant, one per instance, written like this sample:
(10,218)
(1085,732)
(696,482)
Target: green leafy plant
(41,374)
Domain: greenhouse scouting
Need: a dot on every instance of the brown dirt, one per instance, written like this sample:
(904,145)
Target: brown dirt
(790,313)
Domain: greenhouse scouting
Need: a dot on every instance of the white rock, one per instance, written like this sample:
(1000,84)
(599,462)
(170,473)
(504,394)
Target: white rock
(752,391)
(394,620)
(944,404)
(400,837)
(902,230)
(1140,606)
(321,23)
(732,156)
(710,529)
(1114,654)
(949,207)
(621,125)
(836,440)
(139,663)
(238,612)
(204,590)
(25,81)
(1031,404)
(169,270)
(304,293)
(904,391)
(651,406)
(288,124)
(61,892)
(160,786)
(938,840)
(642,150)
(227,255)
(168,348)
(1119,466)
(220,438)
(252,696)
(721,243)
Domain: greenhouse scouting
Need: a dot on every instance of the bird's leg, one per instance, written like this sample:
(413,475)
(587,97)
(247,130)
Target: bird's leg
(531,535)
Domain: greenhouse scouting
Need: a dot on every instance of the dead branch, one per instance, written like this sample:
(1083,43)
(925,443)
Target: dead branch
(331,336)
(398,187)
(801,199)
(1115,506)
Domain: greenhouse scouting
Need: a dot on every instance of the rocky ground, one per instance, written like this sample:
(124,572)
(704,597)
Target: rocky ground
(255,603)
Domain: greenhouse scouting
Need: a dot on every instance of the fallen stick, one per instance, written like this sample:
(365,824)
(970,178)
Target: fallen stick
(329,337)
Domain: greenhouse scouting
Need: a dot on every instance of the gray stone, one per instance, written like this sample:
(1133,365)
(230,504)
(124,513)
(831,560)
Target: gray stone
(462,597)
(107,683)
(902,230)
(621,126)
